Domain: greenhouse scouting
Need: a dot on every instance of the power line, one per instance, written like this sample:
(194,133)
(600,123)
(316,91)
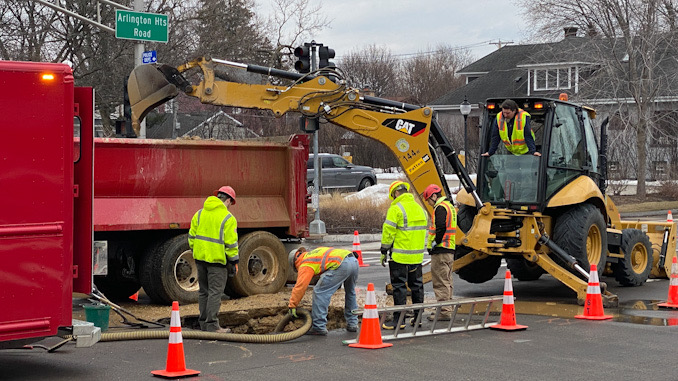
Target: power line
(430,52)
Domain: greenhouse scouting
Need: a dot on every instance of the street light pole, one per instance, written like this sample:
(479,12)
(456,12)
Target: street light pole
(465,109)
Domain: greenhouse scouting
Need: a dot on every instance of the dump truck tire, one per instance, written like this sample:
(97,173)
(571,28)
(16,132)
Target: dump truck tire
(479,271)
(582,233)
(523,269)
(169,273)
(263,265)
(635,267)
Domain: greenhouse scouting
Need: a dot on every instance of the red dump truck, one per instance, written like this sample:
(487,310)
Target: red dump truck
(76,210)
(146,192)
(45,203)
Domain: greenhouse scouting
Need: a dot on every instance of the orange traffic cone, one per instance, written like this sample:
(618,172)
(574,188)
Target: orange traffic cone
(135,296)
(176,364)
(672,300)
(669,217)
(508,310)
(357,249)
(370,331)
(593,307)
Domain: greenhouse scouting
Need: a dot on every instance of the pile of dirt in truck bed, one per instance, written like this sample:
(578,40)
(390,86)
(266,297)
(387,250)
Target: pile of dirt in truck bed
(254,314)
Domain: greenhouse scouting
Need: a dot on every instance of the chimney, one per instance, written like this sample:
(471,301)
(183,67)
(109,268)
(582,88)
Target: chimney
(570,31)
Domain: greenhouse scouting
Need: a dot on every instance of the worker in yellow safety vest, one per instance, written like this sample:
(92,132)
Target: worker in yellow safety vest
(403,238)
(514,130)
(213,237)
(441,241)
(335,267)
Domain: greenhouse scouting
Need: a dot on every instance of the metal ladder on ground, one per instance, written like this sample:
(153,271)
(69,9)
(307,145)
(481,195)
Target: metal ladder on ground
(418,329)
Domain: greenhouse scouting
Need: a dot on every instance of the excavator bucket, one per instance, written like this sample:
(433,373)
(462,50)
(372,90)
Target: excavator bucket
(147,88)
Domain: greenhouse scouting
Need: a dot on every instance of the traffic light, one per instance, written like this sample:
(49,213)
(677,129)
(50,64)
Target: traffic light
(325,53)
(303,64)
(308,125)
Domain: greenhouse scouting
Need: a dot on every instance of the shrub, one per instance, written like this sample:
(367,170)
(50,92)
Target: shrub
(669,189)
(343,216)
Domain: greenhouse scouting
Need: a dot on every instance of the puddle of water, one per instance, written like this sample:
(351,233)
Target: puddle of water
(636,311)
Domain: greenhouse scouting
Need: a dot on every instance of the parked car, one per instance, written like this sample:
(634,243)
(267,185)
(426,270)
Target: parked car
(339,174)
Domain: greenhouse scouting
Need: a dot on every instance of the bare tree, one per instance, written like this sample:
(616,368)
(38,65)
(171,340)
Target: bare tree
(375,68)
(432,74)
(291,23)
(633,55)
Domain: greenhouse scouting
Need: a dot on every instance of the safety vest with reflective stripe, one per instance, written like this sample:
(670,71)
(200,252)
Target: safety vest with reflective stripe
(448,240)
(213,235)
(516,145)
(405,230)
(323,259)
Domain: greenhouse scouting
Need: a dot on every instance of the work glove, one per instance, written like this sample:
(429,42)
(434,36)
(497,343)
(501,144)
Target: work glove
(293,312)
(232,269)
(384,254)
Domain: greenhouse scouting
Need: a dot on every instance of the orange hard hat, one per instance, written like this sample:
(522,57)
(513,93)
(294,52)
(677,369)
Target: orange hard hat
(228,190)
(430,190)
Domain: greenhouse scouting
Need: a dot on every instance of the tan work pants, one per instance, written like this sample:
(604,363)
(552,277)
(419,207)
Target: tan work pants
(441,275)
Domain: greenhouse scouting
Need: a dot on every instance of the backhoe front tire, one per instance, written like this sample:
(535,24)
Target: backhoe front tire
(635,267)
(478,271)
(581,232)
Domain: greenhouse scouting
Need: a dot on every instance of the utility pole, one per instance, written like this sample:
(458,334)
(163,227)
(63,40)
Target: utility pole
(499,43)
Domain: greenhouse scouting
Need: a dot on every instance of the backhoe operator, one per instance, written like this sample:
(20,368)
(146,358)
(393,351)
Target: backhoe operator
(513,128)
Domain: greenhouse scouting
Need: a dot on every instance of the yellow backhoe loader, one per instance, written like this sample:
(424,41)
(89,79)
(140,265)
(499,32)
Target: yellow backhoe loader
(542,214)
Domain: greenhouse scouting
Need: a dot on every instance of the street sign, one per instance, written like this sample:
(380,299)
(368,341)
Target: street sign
(140,26)
(149,57)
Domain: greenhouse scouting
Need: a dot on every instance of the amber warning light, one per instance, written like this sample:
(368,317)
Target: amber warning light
(48,77)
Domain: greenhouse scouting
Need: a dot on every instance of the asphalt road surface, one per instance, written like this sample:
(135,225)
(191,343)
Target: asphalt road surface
(640,343)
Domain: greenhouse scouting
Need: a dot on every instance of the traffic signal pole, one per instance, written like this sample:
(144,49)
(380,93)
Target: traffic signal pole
(317,226)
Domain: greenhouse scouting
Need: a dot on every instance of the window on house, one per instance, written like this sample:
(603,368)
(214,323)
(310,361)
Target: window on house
(553,79)
(660,169)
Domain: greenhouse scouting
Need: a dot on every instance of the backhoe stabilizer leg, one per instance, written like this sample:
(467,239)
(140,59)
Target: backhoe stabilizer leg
(572,281)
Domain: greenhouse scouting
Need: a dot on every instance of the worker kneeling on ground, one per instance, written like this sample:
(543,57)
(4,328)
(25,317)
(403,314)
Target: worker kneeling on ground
(335,266)
(441,246)
(213,237)
(403,237)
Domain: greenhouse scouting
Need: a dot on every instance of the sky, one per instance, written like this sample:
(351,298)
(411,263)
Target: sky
(408,27)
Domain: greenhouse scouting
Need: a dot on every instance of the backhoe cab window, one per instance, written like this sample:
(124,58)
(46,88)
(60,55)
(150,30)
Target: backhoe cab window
(567,153)
(511,178)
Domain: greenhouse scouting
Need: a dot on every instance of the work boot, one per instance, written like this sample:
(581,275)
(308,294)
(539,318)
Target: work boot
(413,321)
(223,330)
(391,326)
(352,328)
(316,332)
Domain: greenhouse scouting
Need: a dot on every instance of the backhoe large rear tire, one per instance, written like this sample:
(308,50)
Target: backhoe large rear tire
(263,265)
(635,267)
(581,232)
(524,270)
(479,271)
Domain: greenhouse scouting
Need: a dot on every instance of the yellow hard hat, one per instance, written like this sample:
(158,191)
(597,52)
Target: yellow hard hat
(396,185)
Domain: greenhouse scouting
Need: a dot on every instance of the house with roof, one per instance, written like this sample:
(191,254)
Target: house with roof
(572,66)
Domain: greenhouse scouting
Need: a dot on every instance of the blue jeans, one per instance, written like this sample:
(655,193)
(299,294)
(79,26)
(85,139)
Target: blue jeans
(330,280)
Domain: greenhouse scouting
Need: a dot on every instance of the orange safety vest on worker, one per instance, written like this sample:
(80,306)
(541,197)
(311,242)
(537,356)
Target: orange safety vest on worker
(314,262)
(448,239)
(516,144)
